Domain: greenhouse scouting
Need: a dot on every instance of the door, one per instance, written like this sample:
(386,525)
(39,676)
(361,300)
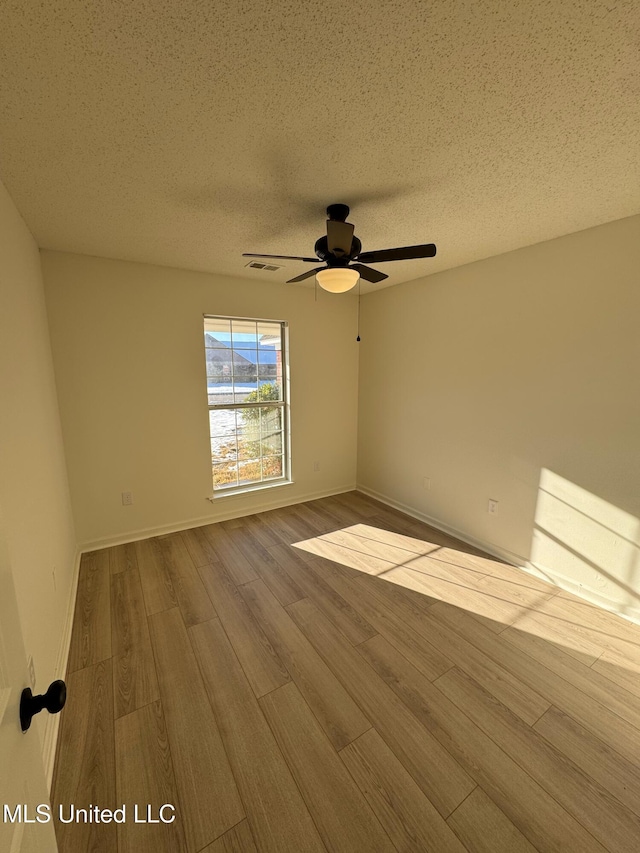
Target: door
(22,778)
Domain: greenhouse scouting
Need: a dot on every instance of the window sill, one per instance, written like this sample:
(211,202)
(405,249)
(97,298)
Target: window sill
(245,490)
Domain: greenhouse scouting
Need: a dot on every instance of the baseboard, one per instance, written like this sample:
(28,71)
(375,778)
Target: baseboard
(520,562)
(165,529)
(495,551)
(52,724)
(631,614)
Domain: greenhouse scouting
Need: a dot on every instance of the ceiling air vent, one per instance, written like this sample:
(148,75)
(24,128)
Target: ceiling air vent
(258,265)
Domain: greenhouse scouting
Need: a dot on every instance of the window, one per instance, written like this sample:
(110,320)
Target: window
(247,389)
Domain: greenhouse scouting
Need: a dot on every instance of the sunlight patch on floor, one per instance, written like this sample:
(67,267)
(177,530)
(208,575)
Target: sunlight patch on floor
(499,594)
(440,572)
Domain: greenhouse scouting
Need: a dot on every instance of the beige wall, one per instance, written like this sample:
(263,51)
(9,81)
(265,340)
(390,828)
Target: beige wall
(127,341)
(34,493)
(516,378)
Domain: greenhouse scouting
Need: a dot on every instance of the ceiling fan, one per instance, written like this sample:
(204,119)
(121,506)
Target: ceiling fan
(342,255)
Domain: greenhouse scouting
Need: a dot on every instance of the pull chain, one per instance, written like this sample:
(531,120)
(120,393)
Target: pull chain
(358,338)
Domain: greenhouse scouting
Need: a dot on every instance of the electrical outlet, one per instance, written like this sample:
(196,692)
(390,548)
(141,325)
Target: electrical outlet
(32,673)
(492,509)
(426,483)
(127,499)
(316,466)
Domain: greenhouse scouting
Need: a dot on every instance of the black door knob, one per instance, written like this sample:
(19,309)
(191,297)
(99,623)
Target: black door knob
(53,700)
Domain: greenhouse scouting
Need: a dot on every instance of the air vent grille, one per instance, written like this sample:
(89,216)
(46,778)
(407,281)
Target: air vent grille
(258,265)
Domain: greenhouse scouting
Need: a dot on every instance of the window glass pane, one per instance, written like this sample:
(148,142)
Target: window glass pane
(269,353)
(217,327)
(244,366)
(243,329)
(265,329)
(244,336)
(270,419)
(248,450)
(269,340)
(219,365)
(215,361)
(246,392)
(270,391)
(246,377)
(271,445)
(243,359)
(243,425)
(224,474)
(216,342)
(223,436)
(267,372)
(249,471)
(222,422)
(227,454)
(272,467)
(219,391)
(242,342)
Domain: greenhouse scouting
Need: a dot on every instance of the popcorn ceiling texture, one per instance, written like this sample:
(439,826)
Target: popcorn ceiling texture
(184,133)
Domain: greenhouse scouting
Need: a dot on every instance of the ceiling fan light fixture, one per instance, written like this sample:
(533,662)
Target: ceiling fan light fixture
(337,279)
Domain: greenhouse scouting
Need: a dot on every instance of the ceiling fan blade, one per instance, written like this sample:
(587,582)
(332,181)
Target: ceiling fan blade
(304,275)
(403,253)
(368,274)
(339,237)
(281,257)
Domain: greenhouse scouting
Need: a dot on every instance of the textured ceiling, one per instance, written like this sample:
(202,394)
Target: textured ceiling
(185,133)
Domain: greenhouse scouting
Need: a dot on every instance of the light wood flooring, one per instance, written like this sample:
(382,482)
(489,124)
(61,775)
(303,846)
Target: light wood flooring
(338,676)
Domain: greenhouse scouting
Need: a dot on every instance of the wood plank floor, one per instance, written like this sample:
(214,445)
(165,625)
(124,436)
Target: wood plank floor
(338,676)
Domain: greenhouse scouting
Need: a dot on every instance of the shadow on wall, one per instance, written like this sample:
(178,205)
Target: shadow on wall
(587,545)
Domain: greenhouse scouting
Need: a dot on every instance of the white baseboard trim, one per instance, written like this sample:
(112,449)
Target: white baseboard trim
(165,529)
(520,562)
(501,553)
(631,614)
(52,724)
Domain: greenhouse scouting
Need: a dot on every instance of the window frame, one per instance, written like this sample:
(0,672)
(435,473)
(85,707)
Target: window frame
(283,405)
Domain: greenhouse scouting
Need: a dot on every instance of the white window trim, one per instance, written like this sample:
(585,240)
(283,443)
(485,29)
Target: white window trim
(286,479)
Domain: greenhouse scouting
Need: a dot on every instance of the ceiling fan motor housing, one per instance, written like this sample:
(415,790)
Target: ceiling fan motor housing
(338,212)
(322,251)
